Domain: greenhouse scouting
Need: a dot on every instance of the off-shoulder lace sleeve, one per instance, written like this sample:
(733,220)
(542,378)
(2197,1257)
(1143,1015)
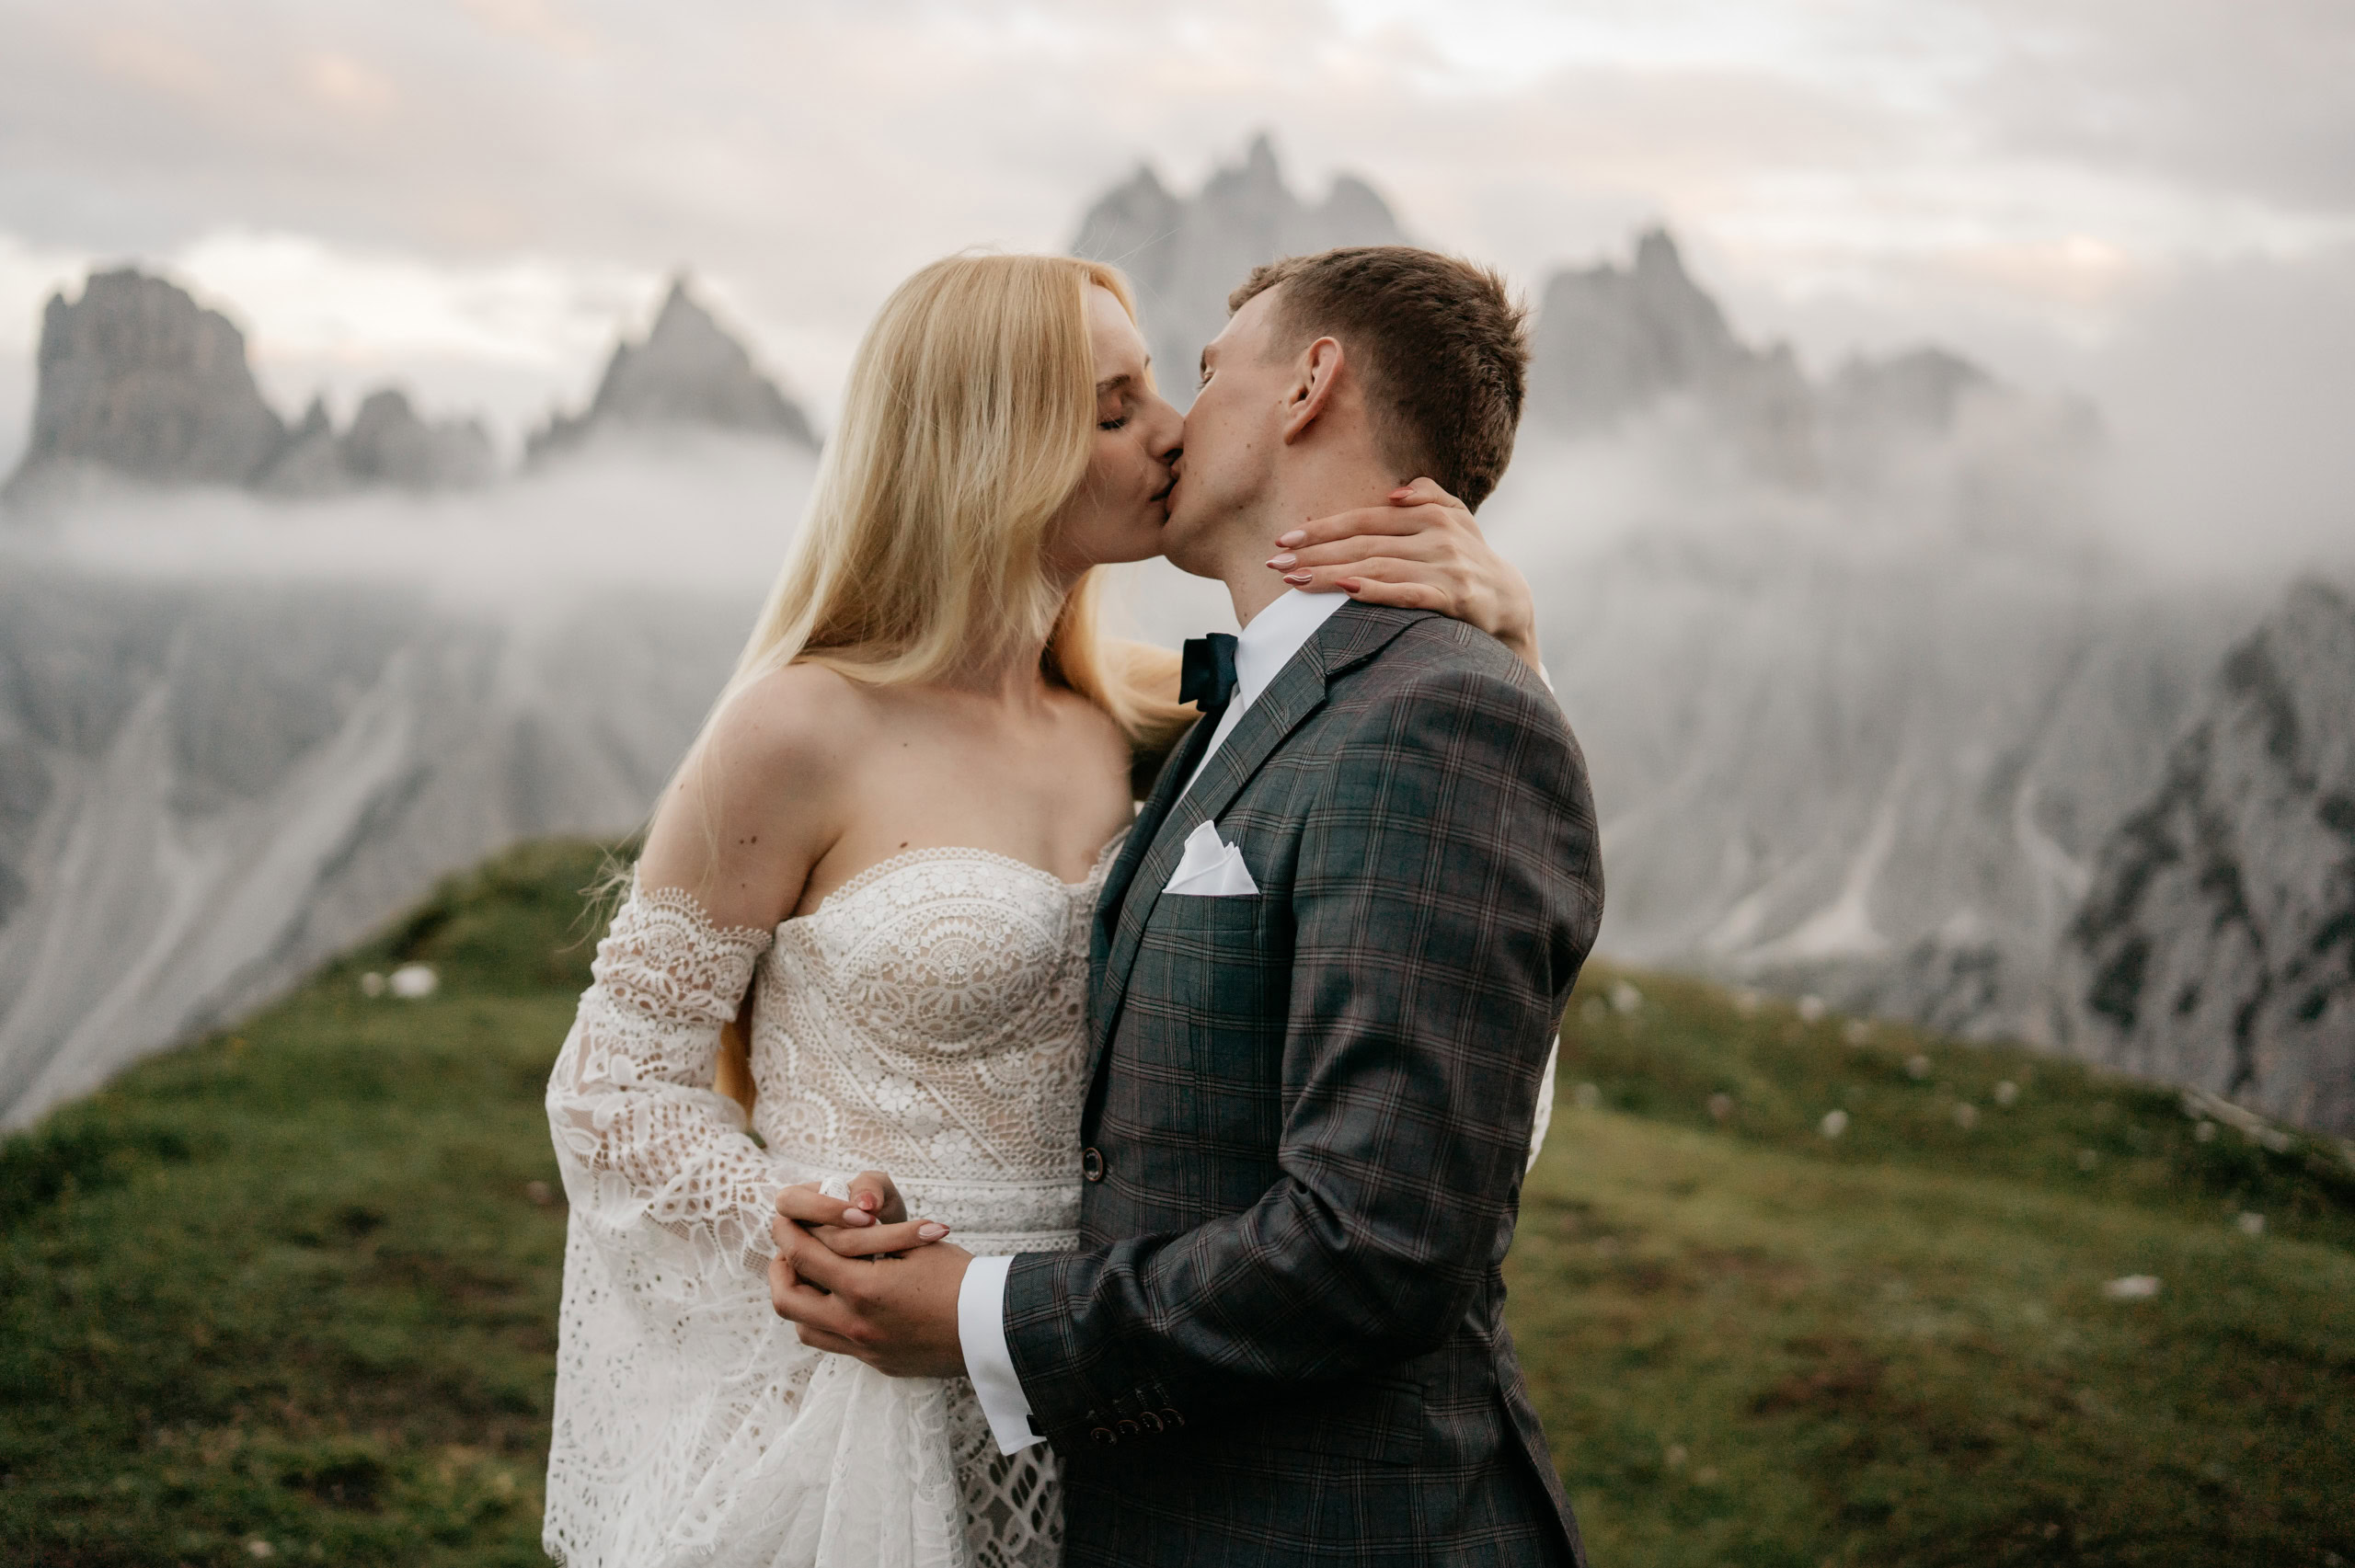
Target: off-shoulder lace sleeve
(640,1130)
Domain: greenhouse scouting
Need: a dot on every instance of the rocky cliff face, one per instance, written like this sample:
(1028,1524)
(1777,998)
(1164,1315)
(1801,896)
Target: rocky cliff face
(1186,253)
(138,377)
(207,788)
(686,371)
(2217,945)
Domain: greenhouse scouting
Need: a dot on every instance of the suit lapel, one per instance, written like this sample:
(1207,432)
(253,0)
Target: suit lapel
(1353,634)
(1156,810)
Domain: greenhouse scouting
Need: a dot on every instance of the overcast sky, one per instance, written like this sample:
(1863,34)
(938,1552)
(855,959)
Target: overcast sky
(2147,200)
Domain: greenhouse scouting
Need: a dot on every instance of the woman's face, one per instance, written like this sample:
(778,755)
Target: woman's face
(1118,509)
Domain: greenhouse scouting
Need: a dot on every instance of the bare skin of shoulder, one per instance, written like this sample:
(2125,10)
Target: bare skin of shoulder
(810,777)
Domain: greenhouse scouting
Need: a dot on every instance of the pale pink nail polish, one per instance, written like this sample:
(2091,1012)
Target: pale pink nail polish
(1300,580)
(1286,559)
(932,1230)
(1288,540)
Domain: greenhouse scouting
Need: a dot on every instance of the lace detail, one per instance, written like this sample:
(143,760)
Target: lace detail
(926,1019)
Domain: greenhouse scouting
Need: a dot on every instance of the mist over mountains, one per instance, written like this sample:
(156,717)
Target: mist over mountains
(1879,706)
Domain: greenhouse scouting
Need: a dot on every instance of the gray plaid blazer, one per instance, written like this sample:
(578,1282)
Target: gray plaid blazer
(1283,1338)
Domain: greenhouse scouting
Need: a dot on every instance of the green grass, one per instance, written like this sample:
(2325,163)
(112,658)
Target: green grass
(1754,1344)
(297,1285)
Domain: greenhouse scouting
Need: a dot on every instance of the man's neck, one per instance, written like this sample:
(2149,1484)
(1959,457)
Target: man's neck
(1250,585)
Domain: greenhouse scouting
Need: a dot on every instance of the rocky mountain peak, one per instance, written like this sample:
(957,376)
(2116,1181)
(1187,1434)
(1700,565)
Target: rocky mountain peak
(687,371)
(1185,255)
(137,378)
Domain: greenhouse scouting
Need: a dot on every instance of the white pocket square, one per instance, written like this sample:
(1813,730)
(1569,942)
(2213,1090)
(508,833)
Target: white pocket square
(1211,869)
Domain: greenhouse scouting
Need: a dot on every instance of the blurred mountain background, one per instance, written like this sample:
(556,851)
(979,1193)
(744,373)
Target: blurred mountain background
(1880,712)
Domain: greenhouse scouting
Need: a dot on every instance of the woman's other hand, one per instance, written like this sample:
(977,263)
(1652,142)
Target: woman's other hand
(1421,550)
(872,1221)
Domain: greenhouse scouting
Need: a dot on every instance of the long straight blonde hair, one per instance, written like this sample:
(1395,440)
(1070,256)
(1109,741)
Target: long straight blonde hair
(965,430)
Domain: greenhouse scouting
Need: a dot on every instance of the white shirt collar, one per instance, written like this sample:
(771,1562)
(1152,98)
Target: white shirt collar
(1262,651)
(1275,633)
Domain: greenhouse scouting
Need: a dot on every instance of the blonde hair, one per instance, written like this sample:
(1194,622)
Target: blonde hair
(966,429)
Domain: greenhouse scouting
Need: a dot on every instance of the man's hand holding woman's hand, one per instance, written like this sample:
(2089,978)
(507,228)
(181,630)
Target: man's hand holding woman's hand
(1421,550)
(860,1278)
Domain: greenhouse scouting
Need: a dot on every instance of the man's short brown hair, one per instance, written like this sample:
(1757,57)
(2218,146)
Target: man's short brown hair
(1444,350)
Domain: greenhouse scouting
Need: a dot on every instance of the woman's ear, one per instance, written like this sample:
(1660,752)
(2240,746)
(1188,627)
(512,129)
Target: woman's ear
(1312,389)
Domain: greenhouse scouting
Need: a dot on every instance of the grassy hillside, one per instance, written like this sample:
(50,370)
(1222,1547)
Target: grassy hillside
(291,1293)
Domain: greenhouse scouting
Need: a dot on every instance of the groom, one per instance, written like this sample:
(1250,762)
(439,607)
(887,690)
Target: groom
(1325,970)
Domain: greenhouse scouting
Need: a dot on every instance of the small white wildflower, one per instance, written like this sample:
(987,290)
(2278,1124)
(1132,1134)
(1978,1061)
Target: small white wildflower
(1966,1116)
(2008,1092)
(1747,1001)
(1857,1030)
(2132,1287)
(1586,1096)
(2204,1133)
(1625,998)
(372,984)
(411,981)
(1720,1106)
(2250,1224)
(1833,1124)
(1917,1067)
(1675,1456)
(1812,1010)
(259,1549)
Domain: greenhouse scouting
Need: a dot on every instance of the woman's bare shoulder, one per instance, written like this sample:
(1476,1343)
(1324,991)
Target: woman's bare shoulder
(805,719)
(762,796)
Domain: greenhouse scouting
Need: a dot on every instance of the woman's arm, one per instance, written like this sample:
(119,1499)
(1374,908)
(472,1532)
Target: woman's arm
(1421,551)
(641,1131)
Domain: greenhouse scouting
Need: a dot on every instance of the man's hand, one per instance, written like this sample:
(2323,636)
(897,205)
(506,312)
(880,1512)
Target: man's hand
(896,1313)
(1422,551)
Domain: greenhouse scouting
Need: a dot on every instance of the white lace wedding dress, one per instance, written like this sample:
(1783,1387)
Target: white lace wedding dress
(927,1020)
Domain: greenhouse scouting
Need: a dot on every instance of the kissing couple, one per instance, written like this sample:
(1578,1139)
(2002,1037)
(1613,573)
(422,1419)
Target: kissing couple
(1132,1182)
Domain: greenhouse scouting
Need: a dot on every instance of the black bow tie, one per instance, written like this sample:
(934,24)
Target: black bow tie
(1207,679)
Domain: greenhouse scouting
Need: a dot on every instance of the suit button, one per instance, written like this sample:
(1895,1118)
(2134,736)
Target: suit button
(1091,1163)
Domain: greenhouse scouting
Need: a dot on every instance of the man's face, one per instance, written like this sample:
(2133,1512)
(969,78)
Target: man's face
(1233,435)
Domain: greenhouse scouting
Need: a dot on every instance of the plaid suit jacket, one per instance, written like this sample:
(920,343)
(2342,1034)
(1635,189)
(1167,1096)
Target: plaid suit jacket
(1282,1337)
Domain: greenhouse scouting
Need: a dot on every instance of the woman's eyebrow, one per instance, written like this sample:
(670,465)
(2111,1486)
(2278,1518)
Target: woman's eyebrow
(1112,383)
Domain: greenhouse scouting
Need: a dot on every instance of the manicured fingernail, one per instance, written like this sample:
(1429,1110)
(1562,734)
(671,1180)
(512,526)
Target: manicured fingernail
(857,1216)
(1286,559)
(932,1230)
(1402,492)
(1300,580)
(868,1202)
(1297,536)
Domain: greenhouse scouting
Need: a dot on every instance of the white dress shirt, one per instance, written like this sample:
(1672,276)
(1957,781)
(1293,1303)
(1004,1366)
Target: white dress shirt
(1261,651)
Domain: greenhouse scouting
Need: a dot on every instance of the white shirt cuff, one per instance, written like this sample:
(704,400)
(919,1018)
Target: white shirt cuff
(981,1331)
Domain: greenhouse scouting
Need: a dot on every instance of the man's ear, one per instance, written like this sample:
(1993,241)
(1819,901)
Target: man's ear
(1318,373)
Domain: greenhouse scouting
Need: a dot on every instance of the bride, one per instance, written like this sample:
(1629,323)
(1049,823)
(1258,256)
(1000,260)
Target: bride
(891,835)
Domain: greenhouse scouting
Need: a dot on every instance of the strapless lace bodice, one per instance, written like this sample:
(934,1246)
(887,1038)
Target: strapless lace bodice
(927,1020)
